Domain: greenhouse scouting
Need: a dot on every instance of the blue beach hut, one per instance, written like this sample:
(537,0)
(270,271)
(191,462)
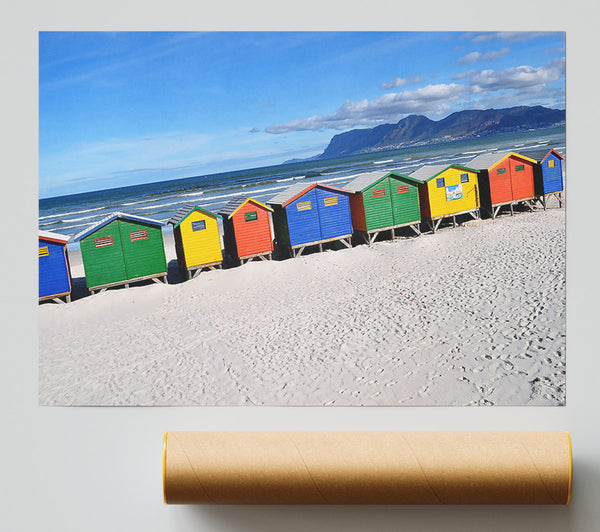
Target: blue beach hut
(308,215)
(54,270)
(548,174)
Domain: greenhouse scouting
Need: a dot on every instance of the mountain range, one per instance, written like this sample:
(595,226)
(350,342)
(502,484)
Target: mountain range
(417,130)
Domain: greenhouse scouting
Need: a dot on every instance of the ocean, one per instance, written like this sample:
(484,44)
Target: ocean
(71,214)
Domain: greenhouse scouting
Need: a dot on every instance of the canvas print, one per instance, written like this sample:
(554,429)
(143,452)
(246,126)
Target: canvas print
(302,218)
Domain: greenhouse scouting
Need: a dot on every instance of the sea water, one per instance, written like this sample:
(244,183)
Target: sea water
(71,214)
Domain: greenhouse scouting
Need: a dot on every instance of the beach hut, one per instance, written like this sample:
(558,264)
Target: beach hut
(307,215)
(383,202)
(547,174)
(121,249)
(446,191)
(505,178)
(247,230)
(197,240)
(54,269)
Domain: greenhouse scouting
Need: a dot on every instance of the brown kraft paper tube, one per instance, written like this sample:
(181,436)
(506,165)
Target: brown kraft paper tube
(367,468)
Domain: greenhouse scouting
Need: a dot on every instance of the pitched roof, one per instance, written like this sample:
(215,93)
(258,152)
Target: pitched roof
(54,237)
(427,172)
(363,181)
(236,203)
(487,160)
(539,154)
(107,219)
(184,211)
(291,193)
(483,161)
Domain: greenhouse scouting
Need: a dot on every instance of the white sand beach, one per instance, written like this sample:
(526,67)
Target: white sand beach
(472,315)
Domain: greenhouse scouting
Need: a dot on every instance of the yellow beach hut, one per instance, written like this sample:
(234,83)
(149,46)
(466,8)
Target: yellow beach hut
(197,240)
(446,191)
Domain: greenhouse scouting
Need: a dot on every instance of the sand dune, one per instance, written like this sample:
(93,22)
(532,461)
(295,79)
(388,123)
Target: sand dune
(473,315)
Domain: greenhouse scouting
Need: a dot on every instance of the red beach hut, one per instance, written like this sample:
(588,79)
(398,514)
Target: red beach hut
(505,178)
(247,232)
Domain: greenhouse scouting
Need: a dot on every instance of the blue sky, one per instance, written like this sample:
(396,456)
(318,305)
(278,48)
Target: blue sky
(123,108)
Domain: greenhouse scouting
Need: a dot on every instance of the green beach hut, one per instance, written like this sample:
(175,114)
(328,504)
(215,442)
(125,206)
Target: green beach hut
(121,249)
(383,202)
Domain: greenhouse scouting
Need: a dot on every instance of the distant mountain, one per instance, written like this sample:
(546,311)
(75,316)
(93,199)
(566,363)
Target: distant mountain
(419,130)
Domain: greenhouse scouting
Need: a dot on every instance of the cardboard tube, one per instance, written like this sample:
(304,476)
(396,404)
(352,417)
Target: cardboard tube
(367,467)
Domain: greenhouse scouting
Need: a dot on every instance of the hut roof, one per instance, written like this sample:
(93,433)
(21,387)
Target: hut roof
(107,219)
(54,237)
(367,179)
(427,172)
(237,203)
(539,154)
(487,160)
(183,213)
(288,195)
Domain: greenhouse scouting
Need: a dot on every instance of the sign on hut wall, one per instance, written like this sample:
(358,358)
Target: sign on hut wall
(454,192)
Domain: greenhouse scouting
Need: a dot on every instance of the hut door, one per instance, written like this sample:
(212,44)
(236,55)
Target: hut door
(303,219)
(103,256)
(500,183)
(405,202)
(378,205)
(521,175)
(143,250)
(334,213)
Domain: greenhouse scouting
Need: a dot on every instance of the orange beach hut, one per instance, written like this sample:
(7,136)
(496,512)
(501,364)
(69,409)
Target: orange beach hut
(247,232)
(505,178)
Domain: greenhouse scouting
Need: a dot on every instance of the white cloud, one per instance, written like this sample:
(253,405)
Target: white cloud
(388,107)
(466,74)
(510,36)
(520,77)
(473,57)
(400,82)
(495,53)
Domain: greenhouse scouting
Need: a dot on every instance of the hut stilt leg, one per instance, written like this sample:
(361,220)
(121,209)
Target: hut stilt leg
(189,274)
(69,298)
(512,212)
(453,221)
(347,244)
(366,238)
(560,199)
(320,247)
